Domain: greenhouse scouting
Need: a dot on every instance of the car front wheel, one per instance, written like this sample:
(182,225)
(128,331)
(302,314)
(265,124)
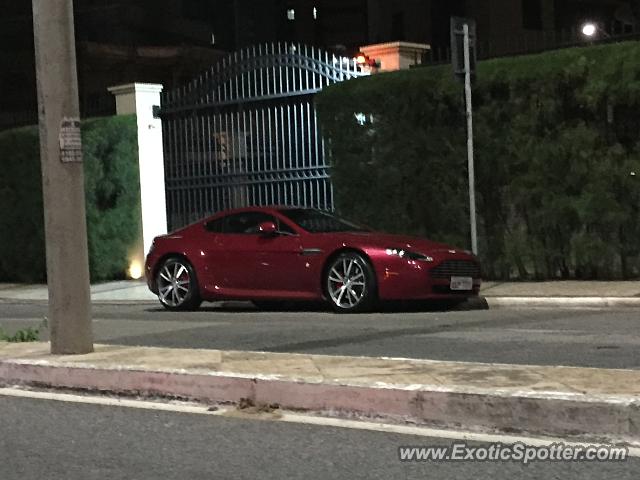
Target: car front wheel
(350,283)
(177,285)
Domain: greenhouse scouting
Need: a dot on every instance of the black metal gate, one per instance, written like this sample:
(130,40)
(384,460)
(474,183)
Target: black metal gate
(245,132)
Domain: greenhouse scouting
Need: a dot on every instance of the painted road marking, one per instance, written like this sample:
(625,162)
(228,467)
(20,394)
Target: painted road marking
(284,416)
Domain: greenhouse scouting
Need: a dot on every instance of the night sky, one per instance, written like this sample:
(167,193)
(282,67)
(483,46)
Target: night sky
(196,33)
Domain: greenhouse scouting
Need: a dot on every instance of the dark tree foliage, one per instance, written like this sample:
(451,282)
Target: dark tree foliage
(112,191)
(557,159)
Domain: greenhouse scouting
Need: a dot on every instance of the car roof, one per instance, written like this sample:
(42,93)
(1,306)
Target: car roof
(270,208)
(223,213)
(266,209)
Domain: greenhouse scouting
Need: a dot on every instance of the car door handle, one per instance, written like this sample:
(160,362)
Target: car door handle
(310,251)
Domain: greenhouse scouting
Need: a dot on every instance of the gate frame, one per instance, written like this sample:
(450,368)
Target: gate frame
(235,105)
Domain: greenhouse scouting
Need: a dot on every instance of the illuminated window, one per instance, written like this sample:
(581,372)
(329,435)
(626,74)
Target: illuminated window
(315,13)
(291,14)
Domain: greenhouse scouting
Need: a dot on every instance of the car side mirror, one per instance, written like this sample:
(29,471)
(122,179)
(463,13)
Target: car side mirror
(267,229)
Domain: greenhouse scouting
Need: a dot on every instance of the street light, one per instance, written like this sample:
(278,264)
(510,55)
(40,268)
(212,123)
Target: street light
(591,30)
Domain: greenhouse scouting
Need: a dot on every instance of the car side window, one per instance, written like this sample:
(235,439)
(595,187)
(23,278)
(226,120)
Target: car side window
(215,226)
(283,227)
(246,223)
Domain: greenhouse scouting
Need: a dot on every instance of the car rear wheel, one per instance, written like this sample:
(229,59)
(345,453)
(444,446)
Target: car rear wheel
(177,285)
(350,283)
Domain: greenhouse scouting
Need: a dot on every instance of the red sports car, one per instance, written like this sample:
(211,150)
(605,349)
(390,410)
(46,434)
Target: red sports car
(273,254)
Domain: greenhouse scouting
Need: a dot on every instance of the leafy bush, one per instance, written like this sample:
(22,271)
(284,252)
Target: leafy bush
(28,334)
(113,194)
(557,159)
(112,191)
(21,219)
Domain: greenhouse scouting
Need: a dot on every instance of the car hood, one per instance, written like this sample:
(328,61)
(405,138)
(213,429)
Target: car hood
(386,240)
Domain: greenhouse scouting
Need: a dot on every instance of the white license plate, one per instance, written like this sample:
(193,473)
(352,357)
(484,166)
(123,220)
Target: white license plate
(461,283)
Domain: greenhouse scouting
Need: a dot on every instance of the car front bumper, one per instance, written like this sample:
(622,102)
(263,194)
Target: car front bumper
(419,280)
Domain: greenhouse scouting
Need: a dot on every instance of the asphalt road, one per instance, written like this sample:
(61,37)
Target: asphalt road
(594,338)
(54,440)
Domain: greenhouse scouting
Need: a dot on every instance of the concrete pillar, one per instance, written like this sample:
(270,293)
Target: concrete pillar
(396,55)
(139,99)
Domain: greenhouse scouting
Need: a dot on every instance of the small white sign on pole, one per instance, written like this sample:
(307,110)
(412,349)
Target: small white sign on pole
(70,140)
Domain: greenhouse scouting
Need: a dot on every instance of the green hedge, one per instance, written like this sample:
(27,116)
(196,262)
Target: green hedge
(112,193)
(556,137)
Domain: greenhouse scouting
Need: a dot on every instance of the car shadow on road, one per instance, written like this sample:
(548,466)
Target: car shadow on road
(475,303)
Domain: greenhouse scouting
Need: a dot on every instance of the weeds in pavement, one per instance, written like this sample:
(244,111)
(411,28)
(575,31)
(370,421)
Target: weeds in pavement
(28,334)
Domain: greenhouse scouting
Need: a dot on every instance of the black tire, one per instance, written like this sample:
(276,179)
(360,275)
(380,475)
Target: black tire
(183,294)
(350,283)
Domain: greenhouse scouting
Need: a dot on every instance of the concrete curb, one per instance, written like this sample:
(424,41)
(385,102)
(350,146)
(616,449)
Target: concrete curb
(478,303)
(22,301)
(597,416)
(563,302)
(475,303)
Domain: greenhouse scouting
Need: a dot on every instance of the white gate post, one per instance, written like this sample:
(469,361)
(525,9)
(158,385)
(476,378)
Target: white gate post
(139,99)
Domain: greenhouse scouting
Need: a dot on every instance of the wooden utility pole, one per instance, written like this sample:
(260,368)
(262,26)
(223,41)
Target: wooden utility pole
(62,178)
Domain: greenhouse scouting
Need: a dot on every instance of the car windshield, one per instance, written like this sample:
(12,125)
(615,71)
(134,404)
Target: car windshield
(317,221)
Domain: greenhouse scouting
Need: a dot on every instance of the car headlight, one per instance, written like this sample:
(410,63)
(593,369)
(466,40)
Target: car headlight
(409,255)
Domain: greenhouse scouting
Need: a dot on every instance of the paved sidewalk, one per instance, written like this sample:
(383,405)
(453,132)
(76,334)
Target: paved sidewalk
(565,294)
(498,294)
(120,291)
(595,403)
(571,288)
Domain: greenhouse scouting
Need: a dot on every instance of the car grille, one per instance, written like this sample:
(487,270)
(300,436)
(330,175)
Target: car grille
(456,268)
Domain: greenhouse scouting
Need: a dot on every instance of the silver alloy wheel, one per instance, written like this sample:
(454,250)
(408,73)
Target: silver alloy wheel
(174,284)
(346,283)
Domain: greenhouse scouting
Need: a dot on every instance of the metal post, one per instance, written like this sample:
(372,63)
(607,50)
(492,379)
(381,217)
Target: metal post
(62,178)
(472,186)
